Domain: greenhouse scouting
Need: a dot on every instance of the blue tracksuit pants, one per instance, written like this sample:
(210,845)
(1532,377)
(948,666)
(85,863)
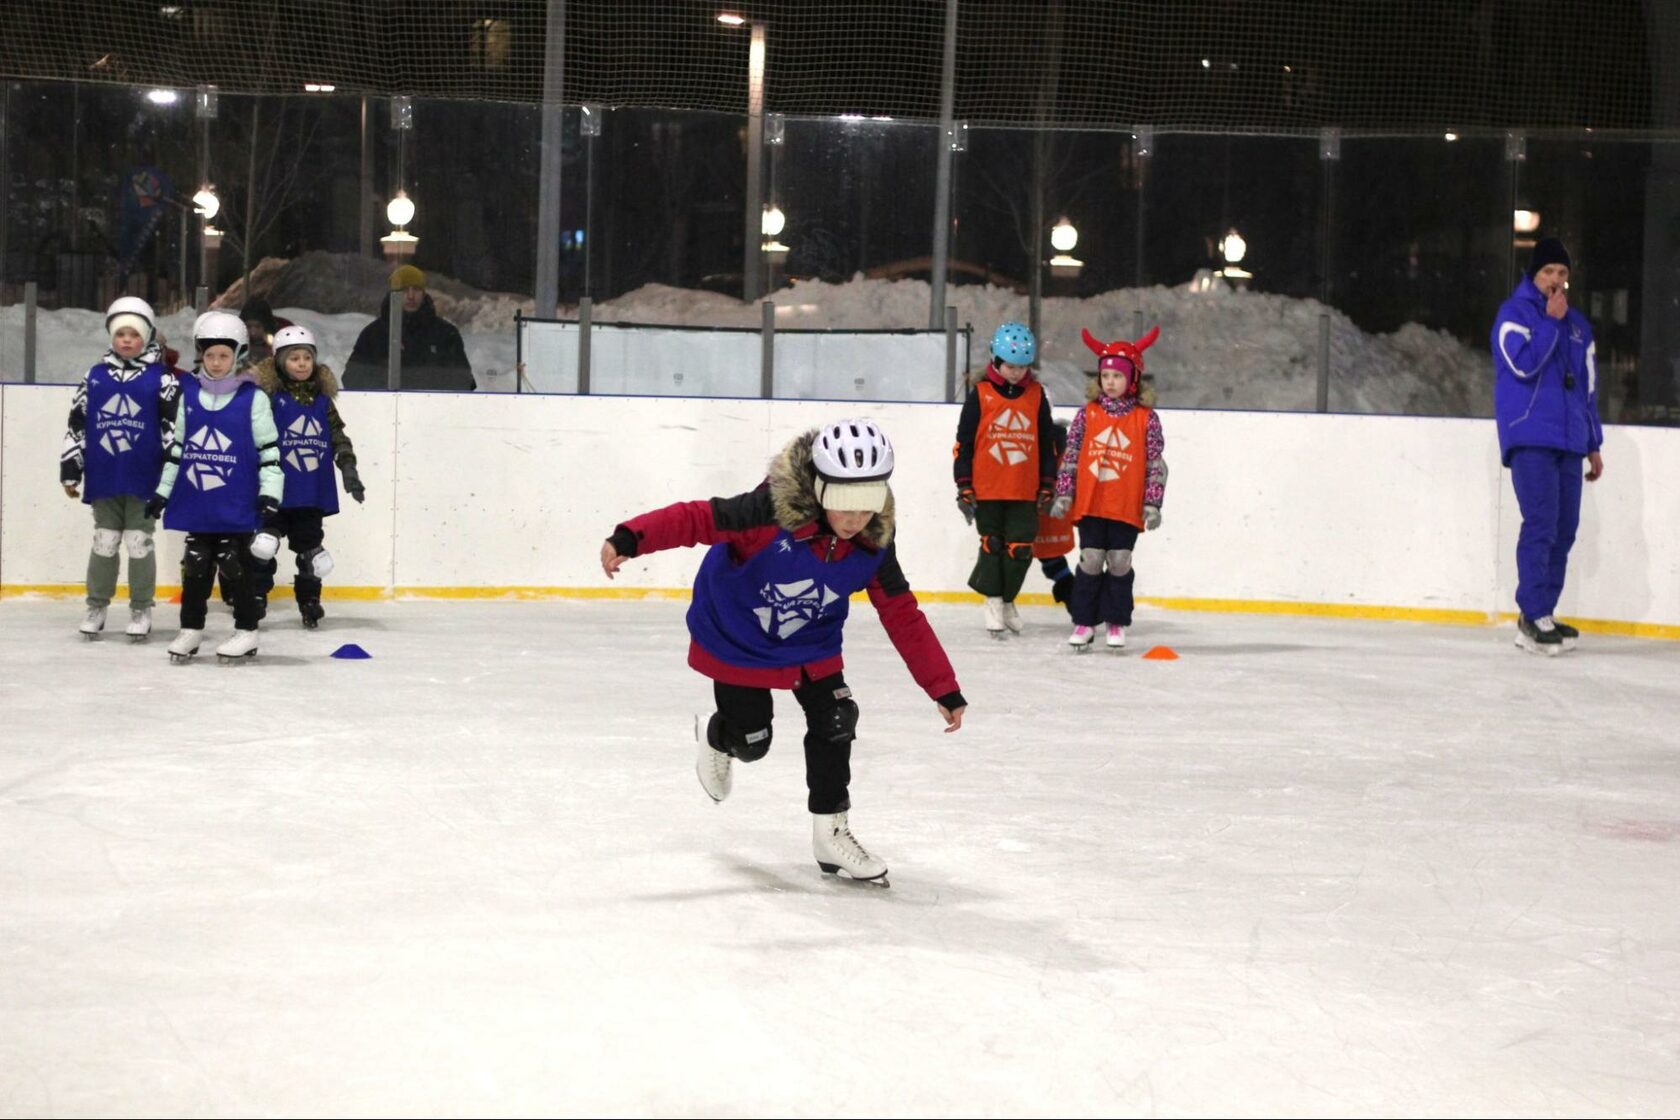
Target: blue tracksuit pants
(1548,485)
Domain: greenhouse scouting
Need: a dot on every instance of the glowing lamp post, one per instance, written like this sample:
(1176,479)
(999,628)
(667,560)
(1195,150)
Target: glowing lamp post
(771,226)
(399,243)
(206,205)
(1233,248)
(1063,237)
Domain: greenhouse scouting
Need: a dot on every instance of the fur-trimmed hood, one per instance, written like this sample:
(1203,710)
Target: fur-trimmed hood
(794,497)
(269,379)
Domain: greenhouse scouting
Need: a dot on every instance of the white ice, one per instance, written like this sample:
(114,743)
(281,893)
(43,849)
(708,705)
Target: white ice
(1313,867)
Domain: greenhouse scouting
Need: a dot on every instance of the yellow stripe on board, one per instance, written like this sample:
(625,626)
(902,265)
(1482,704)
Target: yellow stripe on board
(1433,615)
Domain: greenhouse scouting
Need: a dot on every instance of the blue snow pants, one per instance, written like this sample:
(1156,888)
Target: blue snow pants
(1548,486)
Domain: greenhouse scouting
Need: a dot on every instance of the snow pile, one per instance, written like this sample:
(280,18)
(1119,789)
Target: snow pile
(1218,349)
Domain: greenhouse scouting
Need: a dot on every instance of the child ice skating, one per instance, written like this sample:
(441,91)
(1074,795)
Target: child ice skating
(312,441)
(1112,480)
(221,483)
(121,419)
(1004,468)
(770,606)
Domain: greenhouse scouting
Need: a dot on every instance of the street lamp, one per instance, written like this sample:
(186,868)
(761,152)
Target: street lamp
(770,226)
(399,242)
(1063,237)
(205,202)
(1233,248)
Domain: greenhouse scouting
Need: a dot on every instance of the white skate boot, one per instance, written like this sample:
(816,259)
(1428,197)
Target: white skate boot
(139,624)
(838,850)
(1012,618)
(242,644)
(1081,639)
(92,623)
(1116,636)
(185,646)
(712,767)
(994,615)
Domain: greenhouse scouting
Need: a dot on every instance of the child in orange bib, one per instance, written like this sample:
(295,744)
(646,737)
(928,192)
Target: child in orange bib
(1112,480)
(1004,466)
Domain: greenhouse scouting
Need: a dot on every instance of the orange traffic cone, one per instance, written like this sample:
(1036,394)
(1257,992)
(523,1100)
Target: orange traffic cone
(1161,653)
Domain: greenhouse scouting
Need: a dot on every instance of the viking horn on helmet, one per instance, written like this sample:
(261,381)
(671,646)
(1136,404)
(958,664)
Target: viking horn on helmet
(1122,355)
(1120,346)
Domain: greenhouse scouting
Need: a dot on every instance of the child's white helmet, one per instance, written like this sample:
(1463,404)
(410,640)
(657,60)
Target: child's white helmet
(294,336)
(222,328)
(131,311)
(852,451)
(853,460)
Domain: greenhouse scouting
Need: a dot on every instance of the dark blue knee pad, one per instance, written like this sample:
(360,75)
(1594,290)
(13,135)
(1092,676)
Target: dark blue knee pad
(837,725)
(748,746)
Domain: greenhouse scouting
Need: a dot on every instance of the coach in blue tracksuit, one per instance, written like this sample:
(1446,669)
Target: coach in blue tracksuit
(1545,398)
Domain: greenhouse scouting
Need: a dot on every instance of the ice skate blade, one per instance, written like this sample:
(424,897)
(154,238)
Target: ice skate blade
(182,658)
(998,635)
(1524,642)
(137,639)
(311,623)
(834,870)
(235,658)
(90,637)
(1082,649)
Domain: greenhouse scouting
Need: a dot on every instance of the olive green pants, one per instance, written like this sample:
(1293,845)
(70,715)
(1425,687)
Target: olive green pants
(1000,570)
(120,524)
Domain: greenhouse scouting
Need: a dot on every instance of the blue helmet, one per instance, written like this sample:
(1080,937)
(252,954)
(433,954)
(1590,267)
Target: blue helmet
(1014,343)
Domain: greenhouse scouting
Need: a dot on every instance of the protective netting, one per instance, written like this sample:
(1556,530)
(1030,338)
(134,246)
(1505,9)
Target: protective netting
(1237,65)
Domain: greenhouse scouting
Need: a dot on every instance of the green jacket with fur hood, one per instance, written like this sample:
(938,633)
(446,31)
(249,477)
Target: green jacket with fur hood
(321,381)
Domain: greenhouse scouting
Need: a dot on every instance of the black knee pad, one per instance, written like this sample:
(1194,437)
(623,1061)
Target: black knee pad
(837,725)
(1020,550)
(992,544)
(196,561)
(748,746)
(230,561)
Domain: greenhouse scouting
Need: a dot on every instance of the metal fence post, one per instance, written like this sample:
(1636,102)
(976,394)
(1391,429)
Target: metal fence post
(586,313)
(950,353)
(30,292)
(767,360)
(201,299)
(1324,361)
(393,359)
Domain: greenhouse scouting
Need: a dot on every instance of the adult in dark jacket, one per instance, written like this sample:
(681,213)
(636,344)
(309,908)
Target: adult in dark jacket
(433,356)
(262,324)
(1545,399)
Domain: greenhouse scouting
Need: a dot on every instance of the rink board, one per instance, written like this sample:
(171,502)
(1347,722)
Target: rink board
(500,495)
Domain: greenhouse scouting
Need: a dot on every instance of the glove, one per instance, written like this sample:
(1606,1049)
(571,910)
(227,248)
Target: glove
(966,502)
(1059,508)
(1046,498)
(71,487)
(1151,518)
(352,481)
(154,508)
(268,508)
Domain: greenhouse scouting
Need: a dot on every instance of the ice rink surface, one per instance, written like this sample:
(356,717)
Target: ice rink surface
(1313,867)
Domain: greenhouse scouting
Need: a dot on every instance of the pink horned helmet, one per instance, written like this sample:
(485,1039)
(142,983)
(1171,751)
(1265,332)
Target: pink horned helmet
(1127,357)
